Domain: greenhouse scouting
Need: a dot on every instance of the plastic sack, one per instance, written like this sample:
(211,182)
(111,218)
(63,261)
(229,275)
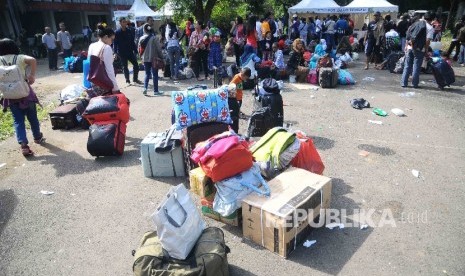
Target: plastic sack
(308,157)
(355,56)
(194,107)
(178,222)
(71,92)
(345,77)
(230,192)
(346,58)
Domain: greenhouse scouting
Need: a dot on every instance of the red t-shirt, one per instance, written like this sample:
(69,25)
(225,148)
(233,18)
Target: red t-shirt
(252,39)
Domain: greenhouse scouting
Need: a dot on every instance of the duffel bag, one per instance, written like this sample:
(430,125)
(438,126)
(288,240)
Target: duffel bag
(223,156)
(106,108)
(209,256)
(269,149)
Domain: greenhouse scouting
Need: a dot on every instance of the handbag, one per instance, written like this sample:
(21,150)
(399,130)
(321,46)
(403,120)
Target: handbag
(230,192)
(97,72)
(158,63)
(178,222)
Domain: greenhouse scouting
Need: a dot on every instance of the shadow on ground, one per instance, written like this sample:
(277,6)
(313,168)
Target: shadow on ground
(8,202)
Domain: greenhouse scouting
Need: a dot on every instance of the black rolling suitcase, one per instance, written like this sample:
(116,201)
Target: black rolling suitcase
(64,117)
(328,77)
(198,133)
(443,73)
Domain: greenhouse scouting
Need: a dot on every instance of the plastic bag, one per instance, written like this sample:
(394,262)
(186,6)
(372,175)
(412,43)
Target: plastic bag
(345,77)
(230,192)
(308,157)
(71,92)
(178,222)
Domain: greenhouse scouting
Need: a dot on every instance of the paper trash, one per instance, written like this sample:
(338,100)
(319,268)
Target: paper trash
(308,243)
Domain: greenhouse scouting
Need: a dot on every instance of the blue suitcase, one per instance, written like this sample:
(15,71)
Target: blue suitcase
(443,73)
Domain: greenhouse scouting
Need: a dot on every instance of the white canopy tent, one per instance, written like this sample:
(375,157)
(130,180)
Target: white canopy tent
(363,10)
(164,12)
(141,10)
(371,6)
(314,6)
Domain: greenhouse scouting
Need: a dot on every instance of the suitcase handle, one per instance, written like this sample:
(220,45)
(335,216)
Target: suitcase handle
(170,219)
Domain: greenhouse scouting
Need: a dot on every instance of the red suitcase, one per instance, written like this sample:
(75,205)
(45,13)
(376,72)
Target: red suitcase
(106,138)
(107,108)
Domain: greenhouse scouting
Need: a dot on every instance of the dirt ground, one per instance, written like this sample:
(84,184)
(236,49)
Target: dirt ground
(102,207)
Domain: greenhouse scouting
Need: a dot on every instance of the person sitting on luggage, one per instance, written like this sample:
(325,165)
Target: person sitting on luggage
(248,60)
(24,107)
(235,103)
(296,64)
(106,36)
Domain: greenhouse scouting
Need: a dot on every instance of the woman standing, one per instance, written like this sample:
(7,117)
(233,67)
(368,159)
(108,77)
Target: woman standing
(152,50)
(24,107)
(199,43)
(251,33)
(102,49)
(238,32)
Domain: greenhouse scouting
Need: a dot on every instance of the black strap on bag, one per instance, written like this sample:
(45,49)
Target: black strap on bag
(168,145)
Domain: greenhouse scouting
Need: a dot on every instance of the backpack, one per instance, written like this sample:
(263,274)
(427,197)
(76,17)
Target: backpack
(260,122)
(325,62)
(269,148)
(12,83)
(418,35)
(461,35)
(270,85)
(143,45)
(209,256)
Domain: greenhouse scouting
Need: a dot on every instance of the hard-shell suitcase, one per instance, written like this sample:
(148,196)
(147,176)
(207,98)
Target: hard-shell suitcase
(107,108)
(328,77)
(443,73)
(106,138)
(162,154)
(64,117)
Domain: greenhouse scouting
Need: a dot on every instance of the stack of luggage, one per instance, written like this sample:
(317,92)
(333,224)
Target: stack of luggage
(107,116)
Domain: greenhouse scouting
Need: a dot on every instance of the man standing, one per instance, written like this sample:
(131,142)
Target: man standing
(455,43)
(415,52)
(318,27)
(50,43)
(140,30)
(373,37)
(126,49)
(64,40)
(402,28)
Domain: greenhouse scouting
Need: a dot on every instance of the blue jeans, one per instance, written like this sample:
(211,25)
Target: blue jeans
(19,116)
(150,71)
(174,53)
(330,42)
(461,59)
(412,65)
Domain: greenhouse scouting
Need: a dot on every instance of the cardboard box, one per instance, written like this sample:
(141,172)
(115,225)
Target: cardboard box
(281,221)
(203,186)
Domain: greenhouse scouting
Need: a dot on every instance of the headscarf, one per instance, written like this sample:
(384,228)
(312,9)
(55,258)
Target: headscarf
(320,49)
(248,54)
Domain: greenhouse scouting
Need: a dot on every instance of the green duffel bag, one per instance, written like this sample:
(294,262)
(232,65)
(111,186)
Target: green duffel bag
(209,257)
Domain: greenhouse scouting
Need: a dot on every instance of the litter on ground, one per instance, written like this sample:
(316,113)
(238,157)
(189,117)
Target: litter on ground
(308,243)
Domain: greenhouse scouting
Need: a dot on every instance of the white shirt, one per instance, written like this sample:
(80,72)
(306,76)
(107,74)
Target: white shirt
(429,31)
(65,39)
(318,25)
(107,56)
(258,27)
(49,40)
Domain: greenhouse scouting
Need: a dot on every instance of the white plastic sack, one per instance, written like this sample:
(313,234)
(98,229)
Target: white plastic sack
(355,56)
(71,92)
(178,222)
(189,72)
(346,58)
(230,192)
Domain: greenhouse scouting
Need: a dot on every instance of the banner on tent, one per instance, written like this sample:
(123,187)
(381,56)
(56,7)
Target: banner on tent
(343,10)
(128,14)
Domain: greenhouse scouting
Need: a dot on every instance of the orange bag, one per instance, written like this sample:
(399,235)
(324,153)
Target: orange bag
(308,157)
(234,161)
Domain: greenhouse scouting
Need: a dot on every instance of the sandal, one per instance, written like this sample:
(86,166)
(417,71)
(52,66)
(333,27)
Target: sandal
(40,140)
(366,68)
(26,151)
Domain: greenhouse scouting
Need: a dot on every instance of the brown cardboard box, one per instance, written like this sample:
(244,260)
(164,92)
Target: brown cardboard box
(275,222)
(204,187)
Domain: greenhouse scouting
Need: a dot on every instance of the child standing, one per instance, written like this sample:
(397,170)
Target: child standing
(215,58)
(235,102)
(267,46)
